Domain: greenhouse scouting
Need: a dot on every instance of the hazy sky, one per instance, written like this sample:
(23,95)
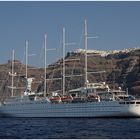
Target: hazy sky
(116,23)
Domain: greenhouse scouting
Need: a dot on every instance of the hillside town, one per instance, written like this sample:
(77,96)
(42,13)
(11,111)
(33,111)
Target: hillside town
(103,53)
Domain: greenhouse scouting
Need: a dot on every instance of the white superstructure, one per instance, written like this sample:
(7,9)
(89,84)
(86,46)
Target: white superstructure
(34,105)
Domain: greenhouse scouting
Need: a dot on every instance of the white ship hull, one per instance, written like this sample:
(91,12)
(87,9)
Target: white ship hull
(87,109)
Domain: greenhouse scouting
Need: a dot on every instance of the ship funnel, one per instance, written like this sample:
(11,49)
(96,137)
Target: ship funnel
(28,86)
(29,83)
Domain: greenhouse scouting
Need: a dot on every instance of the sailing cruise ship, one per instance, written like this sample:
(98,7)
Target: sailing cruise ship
(91,100)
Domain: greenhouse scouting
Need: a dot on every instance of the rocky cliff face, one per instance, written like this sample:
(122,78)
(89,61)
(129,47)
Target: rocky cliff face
(129,75)
(122,69)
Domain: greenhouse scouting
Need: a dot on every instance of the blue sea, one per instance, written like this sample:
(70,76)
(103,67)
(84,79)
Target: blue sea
(69,128)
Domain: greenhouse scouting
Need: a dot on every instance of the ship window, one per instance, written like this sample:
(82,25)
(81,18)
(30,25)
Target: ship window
(137,102)
(127,102)
(132,102)
(121,102)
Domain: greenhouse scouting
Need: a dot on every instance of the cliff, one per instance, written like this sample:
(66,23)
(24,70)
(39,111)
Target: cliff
(121,69)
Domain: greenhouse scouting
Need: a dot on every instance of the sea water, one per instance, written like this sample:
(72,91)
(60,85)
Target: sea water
(69,128)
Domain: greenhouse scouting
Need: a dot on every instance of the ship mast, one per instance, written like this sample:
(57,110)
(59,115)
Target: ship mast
(26,59)
(12,85)
(45,80)
(63,45)
(28,80)
(85,34)
(86,47)
(13,74)
(45,64)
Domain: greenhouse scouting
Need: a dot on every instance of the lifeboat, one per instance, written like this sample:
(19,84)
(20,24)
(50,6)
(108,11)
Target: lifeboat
(55,99)
(93,97)
(66,98)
